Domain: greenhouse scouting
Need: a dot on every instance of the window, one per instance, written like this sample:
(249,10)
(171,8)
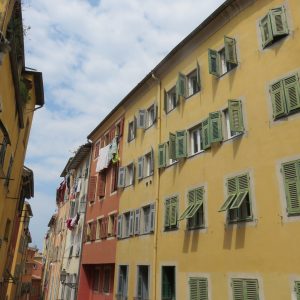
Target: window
(198,288)
(223,61)
(128,224)
(145,165)
(170,100)
(131,130)
(244,289)
(171,206)
(291,177)
(273,26)
(126,175)
(111,225)
(146,118)
(106,280)
(92,189)
(238,203)
(101,184)
(103,222)
(147,221)
(7,230)
(195,140)
(233,119)
(96,279)
(142,283)
(285,96)
(168,286)
(122,283)
(193,82)
(297,289)
(194,213)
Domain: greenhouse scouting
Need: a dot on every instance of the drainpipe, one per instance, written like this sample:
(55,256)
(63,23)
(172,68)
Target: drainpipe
(155,261)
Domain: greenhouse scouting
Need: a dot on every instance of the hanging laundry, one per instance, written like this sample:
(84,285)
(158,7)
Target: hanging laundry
(75,220)
(103,159)
(78,186)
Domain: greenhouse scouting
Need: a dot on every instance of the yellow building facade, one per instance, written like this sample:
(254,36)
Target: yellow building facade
(226,175)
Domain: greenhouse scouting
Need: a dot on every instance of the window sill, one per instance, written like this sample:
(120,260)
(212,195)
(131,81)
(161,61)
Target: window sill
(234,137)
(113,192)
(169,111)
(172,164)
(129,141)
(170,229)
(190,96)
(240,221)
(150,126)
(195,154)
(128,185)
(201,227)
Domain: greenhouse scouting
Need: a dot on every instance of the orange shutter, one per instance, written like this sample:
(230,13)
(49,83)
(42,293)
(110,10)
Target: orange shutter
(92,189)
(101,184)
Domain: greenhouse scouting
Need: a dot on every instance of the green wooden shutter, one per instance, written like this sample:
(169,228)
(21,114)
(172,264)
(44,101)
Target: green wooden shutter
(297,289)
(251,289)
(180,145)
(151,161)
(215,126)
(173,211)
(243,190)
(181,86)
(291,175)
(167,212)
(162,155)
(172,146)
(232,190)
(198,77)
(140,173)
(214,62)
(194,294)
(235,116)
(141,122)
(237,289)
(266,31)
(205,134)
(191,197)
(198,194)
(230,50)
(278,99)
(165,101)
(278,21)
(292,92)
(198,288)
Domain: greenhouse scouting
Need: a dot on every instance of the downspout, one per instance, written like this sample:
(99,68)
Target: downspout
(155,267)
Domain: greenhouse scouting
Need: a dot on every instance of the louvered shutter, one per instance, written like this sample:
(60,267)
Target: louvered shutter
(198,195)
(232,190)
(278,100)
(251,288)
(243,187)
(278,21)
(194,293)
(162,155)
(181,85)
(297,289)
(173,211)
(101,184)
(84,233)
(213,62)
(140,172)
(230,50)
(205,134)
(180,145)
(92,188)
(215,126)
(121,177)
(141,122)
(198,77)
(167,212)
(93,230)
(235,115)
(137,221)
(152,217)
(106,226)
(172,146)
(191,196)
(134,127)
(291,173)
(266,30)
(155,112)
(165,101)
(151,161)
(292,92)
(131,223)
(198,288)
(119,226)
(237,289)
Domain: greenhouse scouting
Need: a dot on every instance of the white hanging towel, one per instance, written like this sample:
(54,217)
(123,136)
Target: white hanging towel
(103,159)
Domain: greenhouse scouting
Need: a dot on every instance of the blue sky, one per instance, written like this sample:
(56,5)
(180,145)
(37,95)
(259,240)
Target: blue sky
(91,53)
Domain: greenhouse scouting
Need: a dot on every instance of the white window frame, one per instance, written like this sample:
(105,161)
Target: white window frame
(131,131)
(191,89)
(129,175)
(150,118)
(171,99)
(192,140)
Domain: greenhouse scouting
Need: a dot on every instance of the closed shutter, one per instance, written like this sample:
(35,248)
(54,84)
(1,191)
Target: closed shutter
(243,190)
(140,172)
(173,211)
(292,93)
(172,146)
(278,21)
(213,62)
(152,217)
(266,31)
(180,145)
(181,86)
(215,126)
(121,177)
(235,116)
(278,100)
(251,289)
(119,226)
(198,77)
(230,50)
(141,122)
(167,212)
(237,289)
(162,155)
(137,221)
(205,134)
(131,222)
(92,188)
(297,289)
(101,184)
(291,173)
(198,288)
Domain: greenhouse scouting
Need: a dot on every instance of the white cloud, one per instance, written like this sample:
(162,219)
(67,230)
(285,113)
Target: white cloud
(91,57)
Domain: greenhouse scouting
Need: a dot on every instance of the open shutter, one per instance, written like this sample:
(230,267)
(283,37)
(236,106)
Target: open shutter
(181,86)
(251,288)
(213,62)
(292,92)
(266,31)
(278,100)
(198,195)
(235,116)
(155,112)
(151,161)
(191,197)
(243,190)
(140,171)
(137,221)
(215,126)
(121,177)
(172,146)
(205,134)
(165,101)
(198,77)
(92,188)
(162,155)
(230,50)
(167,212)
(291,173)
(237,289)
(134,127)
(141,122)
(101,184)
(180,145)
(278,21)
(173,211)
(152,217)
(232,190)
(131,223)
(119,227)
